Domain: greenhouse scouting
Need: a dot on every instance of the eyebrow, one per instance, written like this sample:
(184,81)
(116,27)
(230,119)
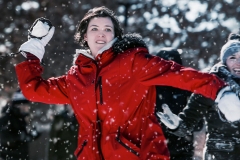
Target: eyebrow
(98,26)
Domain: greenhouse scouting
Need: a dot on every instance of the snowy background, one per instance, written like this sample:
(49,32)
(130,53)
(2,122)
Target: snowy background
(198,28)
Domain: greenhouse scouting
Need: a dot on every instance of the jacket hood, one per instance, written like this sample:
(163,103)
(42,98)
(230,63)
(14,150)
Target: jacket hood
(215,69)
(126,42)
(222,72)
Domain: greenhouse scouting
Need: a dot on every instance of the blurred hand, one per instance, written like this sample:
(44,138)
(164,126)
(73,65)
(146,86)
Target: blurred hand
(168,118)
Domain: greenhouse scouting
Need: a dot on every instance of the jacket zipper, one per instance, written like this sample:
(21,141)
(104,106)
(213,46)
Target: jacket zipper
(83,145)
(100,89)
(124,145)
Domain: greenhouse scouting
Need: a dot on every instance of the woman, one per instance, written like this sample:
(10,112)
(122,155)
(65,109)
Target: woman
(223,121)
(111,87)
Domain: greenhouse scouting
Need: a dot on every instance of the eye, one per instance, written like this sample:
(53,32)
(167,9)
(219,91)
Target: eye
(94,29)
(108,29)
(231,57)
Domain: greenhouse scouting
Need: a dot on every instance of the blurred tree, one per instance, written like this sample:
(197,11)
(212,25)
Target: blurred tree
(199,27)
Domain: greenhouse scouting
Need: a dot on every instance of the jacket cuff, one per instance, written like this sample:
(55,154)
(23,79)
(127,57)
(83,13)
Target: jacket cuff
(31,56)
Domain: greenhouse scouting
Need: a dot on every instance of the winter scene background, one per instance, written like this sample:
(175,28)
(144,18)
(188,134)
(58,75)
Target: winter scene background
(197,28)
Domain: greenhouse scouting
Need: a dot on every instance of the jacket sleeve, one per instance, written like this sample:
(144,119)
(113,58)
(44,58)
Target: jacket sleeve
(36,89)
(152,70)
(197,107)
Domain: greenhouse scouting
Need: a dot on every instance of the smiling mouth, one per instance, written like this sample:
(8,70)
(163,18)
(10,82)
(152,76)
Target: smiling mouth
(237,71)
(100,42)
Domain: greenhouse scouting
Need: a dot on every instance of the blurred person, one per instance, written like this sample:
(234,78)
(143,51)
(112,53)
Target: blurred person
(3,102)
(111,87)
(223,118)
(63,135)
(180,148)
(199,143)
(15,130)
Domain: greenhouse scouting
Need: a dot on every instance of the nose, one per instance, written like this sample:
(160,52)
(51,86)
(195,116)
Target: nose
(237,60)
(101,34)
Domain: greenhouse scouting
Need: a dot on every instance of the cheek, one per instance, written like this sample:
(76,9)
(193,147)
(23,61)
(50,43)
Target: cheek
(89,38)
(110,36)
(229,66)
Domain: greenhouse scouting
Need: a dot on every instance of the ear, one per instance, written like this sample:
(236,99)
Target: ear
(85,37)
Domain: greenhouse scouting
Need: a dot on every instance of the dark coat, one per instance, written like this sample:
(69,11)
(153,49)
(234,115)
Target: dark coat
(223,137)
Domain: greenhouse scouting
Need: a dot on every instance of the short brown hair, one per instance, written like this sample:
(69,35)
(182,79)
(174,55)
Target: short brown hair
(96,12)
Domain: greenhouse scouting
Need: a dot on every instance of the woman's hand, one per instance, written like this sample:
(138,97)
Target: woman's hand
(40,34)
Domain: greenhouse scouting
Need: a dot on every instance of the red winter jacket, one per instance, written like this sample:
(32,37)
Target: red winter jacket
(113,98)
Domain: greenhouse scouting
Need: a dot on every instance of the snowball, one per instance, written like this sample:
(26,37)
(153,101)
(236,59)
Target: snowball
(40,29)
(229,105)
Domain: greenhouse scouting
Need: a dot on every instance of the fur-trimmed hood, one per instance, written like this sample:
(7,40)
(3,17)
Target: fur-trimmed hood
(128,41)
(216,69)
(119,46)
(222,72)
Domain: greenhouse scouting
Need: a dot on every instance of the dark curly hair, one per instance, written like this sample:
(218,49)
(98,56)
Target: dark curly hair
(96,12)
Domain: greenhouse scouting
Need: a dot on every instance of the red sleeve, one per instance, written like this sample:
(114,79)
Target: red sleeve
(36,89)
(153,70)
(31,56)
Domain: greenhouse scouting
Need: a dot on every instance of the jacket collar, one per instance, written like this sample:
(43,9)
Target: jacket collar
(107,46)
(222,72)
(88,54)
(84,52)
(110,50)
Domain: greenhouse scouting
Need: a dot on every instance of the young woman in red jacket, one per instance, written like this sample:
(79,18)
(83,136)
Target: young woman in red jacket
(111,87)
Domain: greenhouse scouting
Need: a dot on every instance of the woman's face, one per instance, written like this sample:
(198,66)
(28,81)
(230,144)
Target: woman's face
(100,31)
(233,64)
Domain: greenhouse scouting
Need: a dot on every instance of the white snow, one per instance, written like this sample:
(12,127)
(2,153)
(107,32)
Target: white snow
(40,29)
(229,105)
